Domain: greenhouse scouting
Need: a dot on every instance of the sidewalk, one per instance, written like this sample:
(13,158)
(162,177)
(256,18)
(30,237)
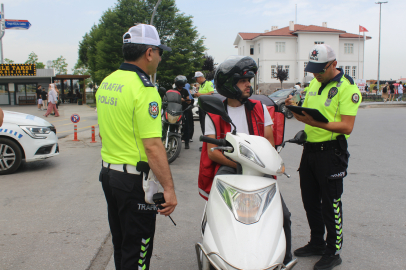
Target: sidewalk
(382,104)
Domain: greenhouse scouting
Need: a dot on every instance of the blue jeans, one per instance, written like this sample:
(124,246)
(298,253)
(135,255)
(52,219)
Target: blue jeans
(400,97)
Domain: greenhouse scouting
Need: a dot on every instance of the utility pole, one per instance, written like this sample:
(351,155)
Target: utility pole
(379,48)
(152,23)
(2,30)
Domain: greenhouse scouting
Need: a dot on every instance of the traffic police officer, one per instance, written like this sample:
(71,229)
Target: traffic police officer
(128,109)
(325,156)
(205,88)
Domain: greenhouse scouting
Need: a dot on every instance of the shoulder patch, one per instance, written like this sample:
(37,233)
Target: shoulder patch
(145,80)
(355,98)
(349,79)
(153,109)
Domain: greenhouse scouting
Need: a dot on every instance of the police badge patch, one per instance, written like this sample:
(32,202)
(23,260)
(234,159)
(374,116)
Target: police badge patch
(153,109)
(355,98)
(332,93)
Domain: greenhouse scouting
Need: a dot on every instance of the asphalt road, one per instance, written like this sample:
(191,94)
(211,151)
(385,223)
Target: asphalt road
(53,212)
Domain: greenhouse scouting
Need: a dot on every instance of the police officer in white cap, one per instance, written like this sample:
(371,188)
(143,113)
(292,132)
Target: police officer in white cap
(325,156)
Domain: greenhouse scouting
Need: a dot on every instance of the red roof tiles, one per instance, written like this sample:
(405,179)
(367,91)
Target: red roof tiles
(298,28)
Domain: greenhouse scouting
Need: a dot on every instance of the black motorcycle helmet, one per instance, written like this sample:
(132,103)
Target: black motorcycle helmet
(230,72)
(180,81)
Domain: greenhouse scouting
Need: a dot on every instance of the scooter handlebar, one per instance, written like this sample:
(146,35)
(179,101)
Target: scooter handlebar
(220,142)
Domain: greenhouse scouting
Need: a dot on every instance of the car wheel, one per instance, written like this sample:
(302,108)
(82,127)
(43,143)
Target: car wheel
(10,156)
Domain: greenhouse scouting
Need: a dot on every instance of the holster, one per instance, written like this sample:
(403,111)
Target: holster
(342,141)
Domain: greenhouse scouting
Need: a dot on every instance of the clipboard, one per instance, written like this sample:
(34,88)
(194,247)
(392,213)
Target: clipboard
(312,112)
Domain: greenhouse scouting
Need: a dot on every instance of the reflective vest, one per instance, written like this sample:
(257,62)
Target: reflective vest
(208,168)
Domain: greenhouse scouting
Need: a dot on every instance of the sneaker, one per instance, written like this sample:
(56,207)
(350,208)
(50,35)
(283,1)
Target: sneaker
(310,250)
(328,262)
(190,140)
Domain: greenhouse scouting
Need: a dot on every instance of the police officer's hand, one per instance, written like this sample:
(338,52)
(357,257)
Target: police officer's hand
(288,100)
(306,118)
(170,202)
(198,94)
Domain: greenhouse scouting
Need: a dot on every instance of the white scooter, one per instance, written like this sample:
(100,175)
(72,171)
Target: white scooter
(242,225)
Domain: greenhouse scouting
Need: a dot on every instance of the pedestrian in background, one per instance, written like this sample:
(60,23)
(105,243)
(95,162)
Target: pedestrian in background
(44,97)
(52,101)
(39,98)
(385,91)
(1,117)
(400,92)
(391,92)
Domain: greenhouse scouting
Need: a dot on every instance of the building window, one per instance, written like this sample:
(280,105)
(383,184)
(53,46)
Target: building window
(259,47)
(251,49)
(348,48)
(319,42)
(273,71)
(305,65)
(347,70)
(287,70)
(354,72)
(341,67)
(280,47)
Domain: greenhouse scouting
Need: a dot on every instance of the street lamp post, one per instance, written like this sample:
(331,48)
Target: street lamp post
(379,49)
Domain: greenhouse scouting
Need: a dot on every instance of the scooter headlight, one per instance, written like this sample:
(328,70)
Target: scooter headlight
(250,155)
(246,206)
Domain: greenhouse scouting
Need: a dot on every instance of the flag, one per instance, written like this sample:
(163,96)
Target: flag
(362,29)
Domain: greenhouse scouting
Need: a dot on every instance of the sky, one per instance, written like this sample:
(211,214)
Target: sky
(59,25)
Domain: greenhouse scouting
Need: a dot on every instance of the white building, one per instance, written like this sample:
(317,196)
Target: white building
(288,48)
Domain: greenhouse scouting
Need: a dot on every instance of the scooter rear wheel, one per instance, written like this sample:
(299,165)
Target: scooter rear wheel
(174,147)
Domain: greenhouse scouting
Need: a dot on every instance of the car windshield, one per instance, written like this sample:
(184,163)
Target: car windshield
(280,93)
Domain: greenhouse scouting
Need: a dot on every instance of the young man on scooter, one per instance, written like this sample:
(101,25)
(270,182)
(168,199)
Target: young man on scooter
(180,82)
(232,80)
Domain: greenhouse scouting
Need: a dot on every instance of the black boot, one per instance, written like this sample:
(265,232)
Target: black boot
(310,250)
(186,146)
(328,262)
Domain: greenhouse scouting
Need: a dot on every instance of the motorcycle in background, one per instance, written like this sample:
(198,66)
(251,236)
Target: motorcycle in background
(172,118)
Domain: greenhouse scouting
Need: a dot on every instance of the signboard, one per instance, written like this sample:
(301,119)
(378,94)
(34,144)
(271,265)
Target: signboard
(18,24)
(75,118)
(18,70)
(361,84)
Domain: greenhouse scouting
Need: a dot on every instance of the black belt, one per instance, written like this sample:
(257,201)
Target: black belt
(321,146)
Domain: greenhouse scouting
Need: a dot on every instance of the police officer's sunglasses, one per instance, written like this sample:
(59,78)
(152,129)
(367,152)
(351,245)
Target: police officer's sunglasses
(325,69)
(160,50)
(154,49)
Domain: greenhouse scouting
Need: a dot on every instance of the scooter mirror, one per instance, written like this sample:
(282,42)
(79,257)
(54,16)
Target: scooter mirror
(300,138)
(214,105)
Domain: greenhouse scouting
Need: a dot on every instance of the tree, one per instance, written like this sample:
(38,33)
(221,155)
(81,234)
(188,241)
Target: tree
(281,75)
(208,67)
(101,48)
(8,61)
(60,65)
(32,58)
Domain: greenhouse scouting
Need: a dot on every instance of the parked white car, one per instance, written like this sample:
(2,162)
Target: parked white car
(24,136)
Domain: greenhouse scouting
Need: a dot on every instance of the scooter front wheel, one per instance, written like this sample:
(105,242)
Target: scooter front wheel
(173,148)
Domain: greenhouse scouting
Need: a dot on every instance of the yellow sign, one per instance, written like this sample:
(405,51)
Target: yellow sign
(18,70)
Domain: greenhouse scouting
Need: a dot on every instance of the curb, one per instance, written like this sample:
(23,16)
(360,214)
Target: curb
(382,104)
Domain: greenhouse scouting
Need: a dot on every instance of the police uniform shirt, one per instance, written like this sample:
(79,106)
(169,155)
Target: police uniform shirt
(128,109)
(206,87)
(338,97)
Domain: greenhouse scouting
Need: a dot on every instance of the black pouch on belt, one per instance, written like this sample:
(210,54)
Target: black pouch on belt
(342,141)
(143,167)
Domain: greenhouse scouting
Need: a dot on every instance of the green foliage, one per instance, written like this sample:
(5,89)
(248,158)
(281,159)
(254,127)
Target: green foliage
(8,61)
(281,75)
(101,48)
(32,58)
(40,65)
(81,69)
(208,67)
(60,65)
